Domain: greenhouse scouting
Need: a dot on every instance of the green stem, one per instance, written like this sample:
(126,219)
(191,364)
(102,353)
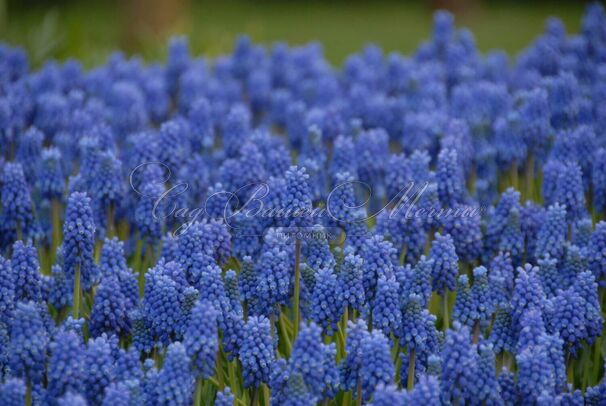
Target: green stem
(296,310)
(445,310)
(411,370)
(28,393)
(476,332)
(219,370)
(56,219)
(76,293)
(253,396)
(359,394)
(198,394)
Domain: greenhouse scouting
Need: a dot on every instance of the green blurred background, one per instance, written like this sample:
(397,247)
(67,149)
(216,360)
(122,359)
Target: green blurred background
(90,30)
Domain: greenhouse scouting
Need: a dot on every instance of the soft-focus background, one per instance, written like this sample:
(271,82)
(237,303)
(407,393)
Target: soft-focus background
(90,30)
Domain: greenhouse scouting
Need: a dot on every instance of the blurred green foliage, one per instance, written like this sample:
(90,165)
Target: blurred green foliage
(90,30)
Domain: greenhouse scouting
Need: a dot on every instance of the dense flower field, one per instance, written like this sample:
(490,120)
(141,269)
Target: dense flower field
(263,228)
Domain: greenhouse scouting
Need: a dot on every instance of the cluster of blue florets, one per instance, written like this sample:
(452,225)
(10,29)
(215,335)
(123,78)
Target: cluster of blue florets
(265,227)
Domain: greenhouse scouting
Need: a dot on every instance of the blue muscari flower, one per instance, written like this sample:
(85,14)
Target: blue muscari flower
(128,365)
(7,290)
(531,328)
(465,310)
(142,334)
(297,196)
(161,304)
(502,334)
(17,205)
(256,351)
(551,173)
(549,275)
(581,232)
(450,178)
(598,179)
(425,392)
(534,374)
(397,176)
(372,152)
(569,192)
(110,310)
(12,392)
(274,278)
(459,365)
(445,265)
(173,143)
(587,289)
(50,179)
(72,399)
(297,393)
(464,228)
(316,251)
(327,300)
(342,157)
(386,313)
(66,364)
(278,380)
(113,264)
(246,233)
(201,123)
(100,372)
(224,397)
(499,217)
(28,342)
(247,279)
(175,382)
(26,272)
(52,114)
(414,333)
(236,129)
(313,360)
(418,280)
(118,394)
(481,295)
(512,238)
(60,289)
(528,293)
(405,232)
(485,386)
(575,262)
(376,363)
(532,217)
(351,280)
(502,268)
(388,395)
(552,233)
(350,367)
(377,254)
(79,238)
(276,155)
(596,250)
(508,387)
(231,289)
(126,106)
(29,147)
(201,339)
